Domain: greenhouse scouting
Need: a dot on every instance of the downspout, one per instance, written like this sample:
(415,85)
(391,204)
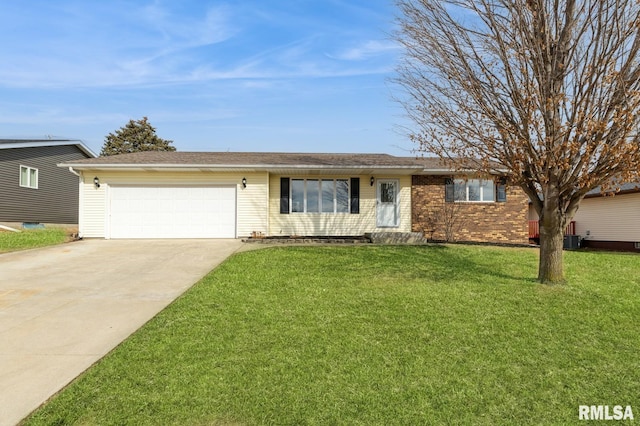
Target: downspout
(8,228)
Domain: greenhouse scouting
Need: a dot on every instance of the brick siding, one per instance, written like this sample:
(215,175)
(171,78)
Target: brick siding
(477,222)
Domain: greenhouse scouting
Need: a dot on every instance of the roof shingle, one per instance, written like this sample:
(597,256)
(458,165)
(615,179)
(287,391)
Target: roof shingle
(253,159)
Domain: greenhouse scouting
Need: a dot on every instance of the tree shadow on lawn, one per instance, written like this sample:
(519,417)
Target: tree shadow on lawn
(466,263)
(438,263)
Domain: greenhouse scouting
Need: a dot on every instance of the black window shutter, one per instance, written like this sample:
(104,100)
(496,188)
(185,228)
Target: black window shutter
(448,190)
(501,189)
(355,195)
(284,195)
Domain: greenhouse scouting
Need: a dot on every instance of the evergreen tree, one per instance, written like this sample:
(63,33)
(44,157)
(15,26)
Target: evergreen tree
(136,136)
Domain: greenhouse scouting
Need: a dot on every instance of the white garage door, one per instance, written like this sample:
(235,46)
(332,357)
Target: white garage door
(172,212)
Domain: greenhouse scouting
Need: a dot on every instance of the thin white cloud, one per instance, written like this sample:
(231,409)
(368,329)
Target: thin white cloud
(366,50)
(208,73)
(67,116)
(98,48)
(187,31)
(125,45)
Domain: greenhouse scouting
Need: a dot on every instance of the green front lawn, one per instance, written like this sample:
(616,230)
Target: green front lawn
(376,335)
(27,239)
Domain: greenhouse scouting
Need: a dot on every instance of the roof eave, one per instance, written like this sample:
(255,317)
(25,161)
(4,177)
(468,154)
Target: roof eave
(408,170)
(368,168)
(37,144)
(436,172)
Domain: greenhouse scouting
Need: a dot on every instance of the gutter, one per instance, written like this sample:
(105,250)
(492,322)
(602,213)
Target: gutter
(268,167)
(231,166)
(461,171)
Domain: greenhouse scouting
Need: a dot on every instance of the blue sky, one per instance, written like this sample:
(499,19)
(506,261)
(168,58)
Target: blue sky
(243,75)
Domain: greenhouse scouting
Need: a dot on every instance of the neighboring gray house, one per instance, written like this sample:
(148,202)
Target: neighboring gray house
(32,187)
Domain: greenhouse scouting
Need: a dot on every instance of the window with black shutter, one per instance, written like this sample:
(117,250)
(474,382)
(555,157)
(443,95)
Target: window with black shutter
(501,192)
(449,190)
(355,195)
(284,195)
(300,195)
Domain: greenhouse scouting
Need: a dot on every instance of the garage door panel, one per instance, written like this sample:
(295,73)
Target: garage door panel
(172,212)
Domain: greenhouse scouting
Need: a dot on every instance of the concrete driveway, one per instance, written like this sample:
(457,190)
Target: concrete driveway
(63,308)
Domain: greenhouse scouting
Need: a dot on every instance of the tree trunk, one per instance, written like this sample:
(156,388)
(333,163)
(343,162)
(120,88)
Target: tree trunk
(550,269)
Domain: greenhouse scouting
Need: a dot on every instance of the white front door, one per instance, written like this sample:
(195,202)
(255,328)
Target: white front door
(387,212)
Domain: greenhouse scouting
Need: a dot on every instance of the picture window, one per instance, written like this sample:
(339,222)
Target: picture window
(319,195)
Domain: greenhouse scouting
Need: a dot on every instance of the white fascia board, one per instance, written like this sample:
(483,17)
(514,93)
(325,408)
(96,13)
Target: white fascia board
(458,172)
(246,167)
(38,144)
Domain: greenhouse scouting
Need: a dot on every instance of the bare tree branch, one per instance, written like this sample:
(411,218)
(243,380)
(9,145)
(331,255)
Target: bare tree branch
(548,89)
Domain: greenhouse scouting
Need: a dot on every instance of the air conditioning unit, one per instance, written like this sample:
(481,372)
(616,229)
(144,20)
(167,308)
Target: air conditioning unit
(571,242)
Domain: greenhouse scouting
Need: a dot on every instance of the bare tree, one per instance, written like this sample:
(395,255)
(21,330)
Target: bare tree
(445,220)
(546,89)
(430,224)
(453,220)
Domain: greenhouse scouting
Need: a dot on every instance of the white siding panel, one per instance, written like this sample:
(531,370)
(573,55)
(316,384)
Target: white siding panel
(336,224)
(92,209)
(610,218)
(405,204)
(253,205)
(252,201)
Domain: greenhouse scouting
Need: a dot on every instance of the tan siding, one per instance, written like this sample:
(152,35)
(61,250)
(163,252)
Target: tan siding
(92,208)
(251,201)
(252,213)
(327,224)
(405,204)
(610,218)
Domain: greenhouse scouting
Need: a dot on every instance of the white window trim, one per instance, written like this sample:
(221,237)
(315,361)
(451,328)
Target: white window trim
(29,169)
(466,189)
(335,196)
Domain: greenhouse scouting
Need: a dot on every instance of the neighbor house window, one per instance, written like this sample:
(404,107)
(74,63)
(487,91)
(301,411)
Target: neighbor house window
(28,177)
(320,195)
(475,190)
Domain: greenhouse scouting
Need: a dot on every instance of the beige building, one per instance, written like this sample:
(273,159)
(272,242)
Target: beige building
(607,221)
(239,195)
(610,222)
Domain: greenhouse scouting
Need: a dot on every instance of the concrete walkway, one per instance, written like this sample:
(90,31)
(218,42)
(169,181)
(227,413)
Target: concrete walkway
(63,308)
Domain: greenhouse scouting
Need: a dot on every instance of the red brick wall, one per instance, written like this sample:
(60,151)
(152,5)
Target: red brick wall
(472,221)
